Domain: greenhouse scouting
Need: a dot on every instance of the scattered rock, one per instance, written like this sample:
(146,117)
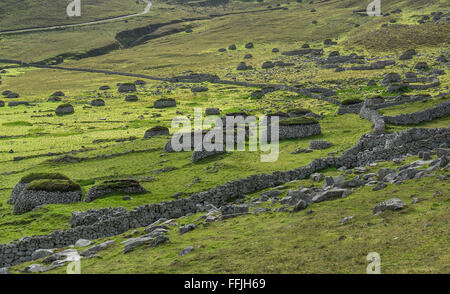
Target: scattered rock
(98,102)
(41,253)
(187,228)
(329,195)
(186,250)
(131,98)
(319,144)
(94,249)
(391,204)
(83,243)
(300,206)
(346,219)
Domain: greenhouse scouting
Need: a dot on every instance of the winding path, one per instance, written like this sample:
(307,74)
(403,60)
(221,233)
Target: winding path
(146,10)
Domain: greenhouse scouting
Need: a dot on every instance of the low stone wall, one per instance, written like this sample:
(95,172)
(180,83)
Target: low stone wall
(429,114)
(375,118)
(352,108)
(434,83)
(29,199)
(18,188)
(378,103)
(298,131)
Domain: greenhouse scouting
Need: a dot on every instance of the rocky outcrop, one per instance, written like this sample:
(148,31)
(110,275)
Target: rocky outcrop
(98,102)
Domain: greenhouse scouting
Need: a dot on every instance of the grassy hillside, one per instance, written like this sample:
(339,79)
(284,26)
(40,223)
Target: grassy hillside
(107,143)
(29,14)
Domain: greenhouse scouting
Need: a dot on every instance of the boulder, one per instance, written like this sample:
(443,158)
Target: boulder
(186,250)
(317,177)
(97,102)
(241,66)
(249,45)
(232,47)
(212,111)
(391,204)
(187,228)
(131,98)
(421,66)
(58,94)
(319,144)
(12,95)
(41,253)
(329,195)
(300,206)
(94,249)
(83,243)
(54,99)
(197,89)
(140,83)
(104,88)
(267,64)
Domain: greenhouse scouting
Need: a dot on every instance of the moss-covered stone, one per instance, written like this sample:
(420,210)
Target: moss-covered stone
(298,121)
(52,185)
(43,176)
(351,101)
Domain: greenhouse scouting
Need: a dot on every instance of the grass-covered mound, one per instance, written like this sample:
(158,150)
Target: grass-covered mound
(114,186)
(298,111)
(303,120)
(53,185)
(43,176)
(351,101)
(118,184)
(234,114)
(165,99)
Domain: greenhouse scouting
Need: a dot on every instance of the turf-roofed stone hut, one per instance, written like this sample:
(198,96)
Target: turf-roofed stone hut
(164,103)
(20,186)
(50,190)
(115,186)
(296,112)
(127,88)
(156,131)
